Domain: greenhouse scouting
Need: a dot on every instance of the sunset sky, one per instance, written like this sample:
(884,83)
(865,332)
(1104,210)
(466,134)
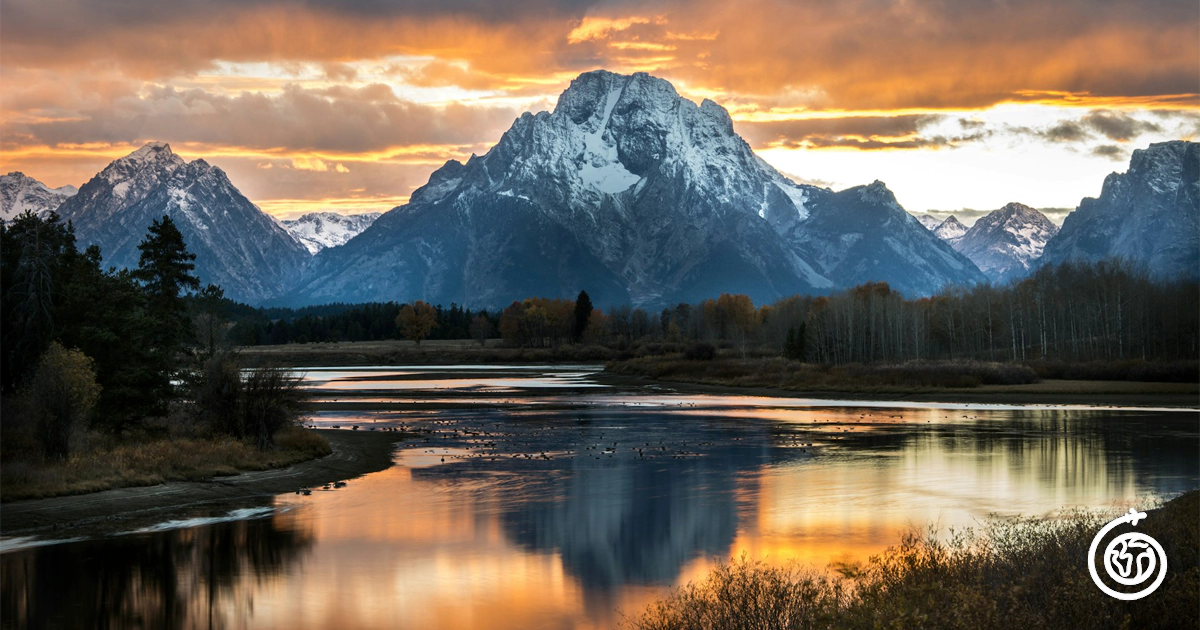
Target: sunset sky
(348,106)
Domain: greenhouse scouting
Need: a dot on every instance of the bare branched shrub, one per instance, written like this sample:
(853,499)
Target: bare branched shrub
(253,404)
(747,595)
(271,400)
(218,396)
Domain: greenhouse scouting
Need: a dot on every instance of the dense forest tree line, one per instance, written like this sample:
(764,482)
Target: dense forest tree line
(1105,311)
(105,349)
(344,322)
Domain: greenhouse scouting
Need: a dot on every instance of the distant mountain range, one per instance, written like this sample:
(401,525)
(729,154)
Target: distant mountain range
(1007,242)
(640,196)
(950,230)
(237,245)
(1004,243)
(321,230)
(1148,215)
(19,192)
(626,190)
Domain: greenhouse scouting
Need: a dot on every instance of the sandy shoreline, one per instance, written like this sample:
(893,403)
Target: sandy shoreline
(355,453)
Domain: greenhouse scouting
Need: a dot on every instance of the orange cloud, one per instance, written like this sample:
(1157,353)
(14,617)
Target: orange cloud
(269,82)
(603,27)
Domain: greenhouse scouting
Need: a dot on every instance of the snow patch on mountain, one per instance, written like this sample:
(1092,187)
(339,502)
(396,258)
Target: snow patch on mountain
(238,246)
(928,220)
(950,230)
(1148,215)
(321,230)
(19,192)
(1005,243)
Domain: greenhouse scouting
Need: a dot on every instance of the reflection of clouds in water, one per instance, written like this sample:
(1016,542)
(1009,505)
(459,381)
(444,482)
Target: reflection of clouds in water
(479,379)
(500,535)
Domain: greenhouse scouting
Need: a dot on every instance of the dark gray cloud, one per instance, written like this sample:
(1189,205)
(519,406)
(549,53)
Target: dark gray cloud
(860,132)
(1066,131)
(28,19)
(1115,126)
(1111,151)
(339,119)
(1118,126)
(961,53)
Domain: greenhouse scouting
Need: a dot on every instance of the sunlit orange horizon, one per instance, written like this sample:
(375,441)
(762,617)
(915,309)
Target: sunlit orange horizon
(350,108)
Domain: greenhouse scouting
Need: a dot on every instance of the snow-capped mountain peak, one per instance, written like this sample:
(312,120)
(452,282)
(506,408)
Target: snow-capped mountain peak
(19,192)
(928,220)
(638,195)
(950,230)
(237,245)
(1148,215)
(320,230)
(1005,243)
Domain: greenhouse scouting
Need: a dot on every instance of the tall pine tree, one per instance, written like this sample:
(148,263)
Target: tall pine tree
(165,270)
(583,314)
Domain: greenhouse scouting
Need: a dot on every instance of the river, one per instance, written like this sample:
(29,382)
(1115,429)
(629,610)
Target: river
(540,497)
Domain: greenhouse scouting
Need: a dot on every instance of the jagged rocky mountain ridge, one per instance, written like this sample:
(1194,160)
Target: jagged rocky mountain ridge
(928,220)
(1006,243)
(19,192)
(236,244)
(321,230)
(640,196)
(1149,215)
(950,230)
(635,194)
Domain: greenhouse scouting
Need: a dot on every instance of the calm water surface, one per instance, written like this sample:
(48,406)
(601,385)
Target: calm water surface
(537,497)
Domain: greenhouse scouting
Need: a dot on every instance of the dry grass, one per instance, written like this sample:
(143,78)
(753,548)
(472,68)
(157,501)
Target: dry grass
(1128,370)
(794,375)
(103,464)
(429,352)
(1013,574)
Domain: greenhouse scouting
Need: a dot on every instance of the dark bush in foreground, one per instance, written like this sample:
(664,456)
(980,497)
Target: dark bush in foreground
(941,373)
(794,375)
(700,351)
(1143,371)
(1013,574)
(253,405)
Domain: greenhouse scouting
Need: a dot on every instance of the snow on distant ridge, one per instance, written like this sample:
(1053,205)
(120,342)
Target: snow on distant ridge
(19,192)
(1006,243)
(321,230)
(950,230)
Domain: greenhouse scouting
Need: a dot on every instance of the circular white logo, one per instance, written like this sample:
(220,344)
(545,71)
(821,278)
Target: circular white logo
(1129,559)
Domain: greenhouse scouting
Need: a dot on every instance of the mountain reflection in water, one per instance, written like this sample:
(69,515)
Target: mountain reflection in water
(557,507)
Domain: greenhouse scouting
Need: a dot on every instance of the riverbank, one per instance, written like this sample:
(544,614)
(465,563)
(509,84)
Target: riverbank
(1028,573)
(756,378)
(107,463)
(354,453)
(428,352)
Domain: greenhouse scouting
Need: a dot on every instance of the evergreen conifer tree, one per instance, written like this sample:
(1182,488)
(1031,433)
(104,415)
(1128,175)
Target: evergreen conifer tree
(583,314)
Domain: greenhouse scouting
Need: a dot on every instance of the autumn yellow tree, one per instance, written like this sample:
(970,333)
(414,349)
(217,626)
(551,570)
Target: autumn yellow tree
(416,321)
(63,392)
